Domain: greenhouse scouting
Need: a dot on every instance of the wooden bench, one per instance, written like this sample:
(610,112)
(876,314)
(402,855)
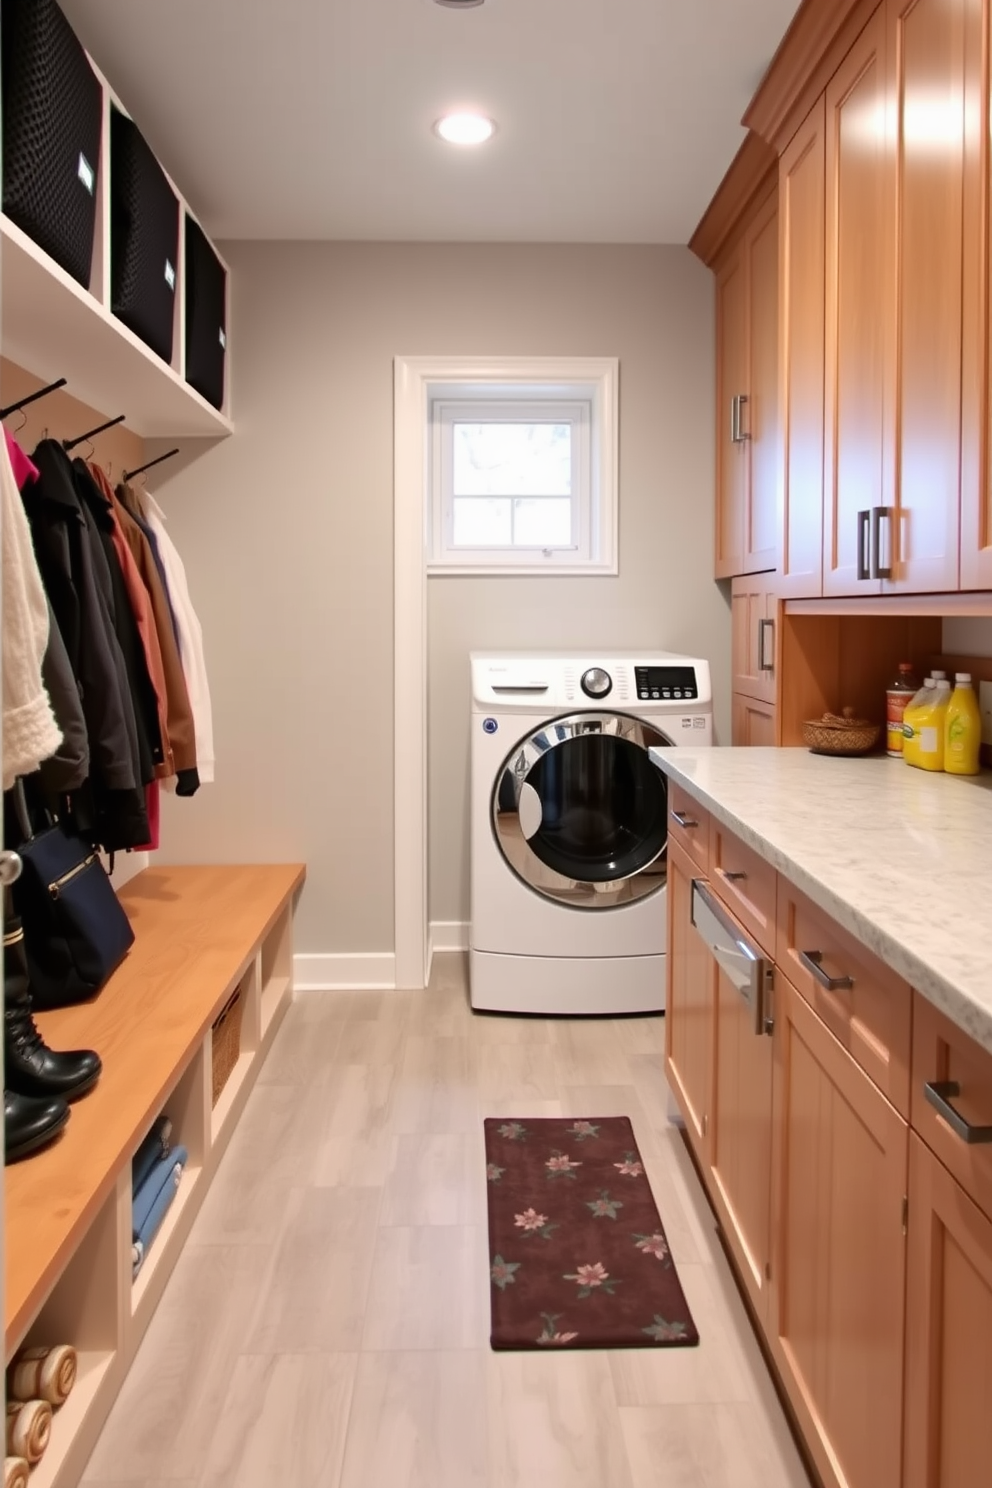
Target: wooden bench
(199,934)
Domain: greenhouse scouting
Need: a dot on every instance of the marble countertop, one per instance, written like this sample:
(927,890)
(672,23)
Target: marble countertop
(902,858)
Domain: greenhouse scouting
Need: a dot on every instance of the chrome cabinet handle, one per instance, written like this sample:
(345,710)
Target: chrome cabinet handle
(766,628)
(742,402)
(878,515)
(737,877)
(811,960)
(685,822)
(864,532)
(939,1093)
(10,867)
(735,419)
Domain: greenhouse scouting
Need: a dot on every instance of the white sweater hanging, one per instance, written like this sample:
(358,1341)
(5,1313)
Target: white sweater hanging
(30,733)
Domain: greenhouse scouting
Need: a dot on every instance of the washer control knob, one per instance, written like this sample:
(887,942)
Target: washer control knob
(596,683)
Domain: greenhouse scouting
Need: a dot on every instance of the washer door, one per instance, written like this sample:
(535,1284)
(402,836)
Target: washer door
(580,812)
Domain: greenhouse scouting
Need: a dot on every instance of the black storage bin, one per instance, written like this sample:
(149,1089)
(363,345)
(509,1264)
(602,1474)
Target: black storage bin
(52,121)
(144,237)
(206,328)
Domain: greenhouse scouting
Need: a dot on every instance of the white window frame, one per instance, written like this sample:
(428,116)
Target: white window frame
(581,391)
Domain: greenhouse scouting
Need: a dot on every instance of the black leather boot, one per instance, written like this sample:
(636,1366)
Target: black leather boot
(29,1124)
(30,1067)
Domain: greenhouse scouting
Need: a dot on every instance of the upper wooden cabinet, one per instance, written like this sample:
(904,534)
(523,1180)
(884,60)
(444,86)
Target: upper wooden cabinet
(747,395)
(976,450)
(934,65)
(802,198)
(857,463)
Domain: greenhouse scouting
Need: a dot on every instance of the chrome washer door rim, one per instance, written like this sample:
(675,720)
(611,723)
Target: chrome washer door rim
(508,830)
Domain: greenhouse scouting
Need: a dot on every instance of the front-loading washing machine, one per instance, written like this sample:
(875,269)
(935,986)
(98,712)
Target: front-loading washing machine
(569,826)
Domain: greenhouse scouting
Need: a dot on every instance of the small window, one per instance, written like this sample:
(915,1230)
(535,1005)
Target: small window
(522,476)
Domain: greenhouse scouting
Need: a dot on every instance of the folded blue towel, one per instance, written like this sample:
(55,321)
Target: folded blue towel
(160,1175)
(154,1218)
(152,1150)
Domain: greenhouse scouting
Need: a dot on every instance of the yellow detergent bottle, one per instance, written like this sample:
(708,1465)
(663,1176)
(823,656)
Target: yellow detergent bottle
(931,727)
(962,728)
(914,711)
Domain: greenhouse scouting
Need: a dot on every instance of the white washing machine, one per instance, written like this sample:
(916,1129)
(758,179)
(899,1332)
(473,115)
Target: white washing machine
(569,824)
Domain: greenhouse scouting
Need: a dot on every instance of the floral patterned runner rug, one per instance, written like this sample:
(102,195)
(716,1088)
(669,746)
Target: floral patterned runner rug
(578,1257)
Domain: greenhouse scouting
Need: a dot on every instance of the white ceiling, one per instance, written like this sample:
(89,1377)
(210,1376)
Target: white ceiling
(312,118)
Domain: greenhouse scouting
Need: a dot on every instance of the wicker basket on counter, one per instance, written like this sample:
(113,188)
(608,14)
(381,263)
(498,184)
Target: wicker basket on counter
(833,734)
(226,1041)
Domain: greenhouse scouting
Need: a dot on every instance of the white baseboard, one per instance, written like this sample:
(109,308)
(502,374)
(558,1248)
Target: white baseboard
(449,935)
(368,971)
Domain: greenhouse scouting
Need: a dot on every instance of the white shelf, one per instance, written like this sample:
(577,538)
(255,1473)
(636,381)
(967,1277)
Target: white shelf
(233,1095)
(92,1373)
(167,1243)
(56,328)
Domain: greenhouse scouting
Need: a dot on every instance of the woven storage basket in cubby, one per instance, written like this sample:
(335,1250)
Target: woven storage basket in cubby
(226,1041)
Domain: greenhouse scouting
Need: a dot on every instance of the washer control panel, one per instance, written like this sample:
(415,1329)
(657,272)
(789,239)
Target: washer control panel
(666,683)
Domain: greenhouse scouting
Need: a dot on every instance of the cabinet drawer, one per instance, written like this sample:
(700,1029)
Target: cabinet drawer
(944,1055)
(688,824)
(745,882)
(871,1017)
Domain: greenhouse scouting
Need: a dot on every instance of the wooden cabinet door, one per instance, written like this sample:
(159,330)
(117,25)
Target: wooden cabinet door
(689,1008)
(859,295)
(741,1138)
(754,616)
(948,1406)
(801,331)
(731,447)
(838,1251)
(976,421)
(753,723)
(926,67)
(761,416)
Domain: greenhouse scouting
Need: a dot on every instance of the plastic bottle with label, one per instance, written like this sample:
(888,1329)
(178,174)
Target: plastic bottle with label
(912,714)
(962,728)
(898,695)
(931,726)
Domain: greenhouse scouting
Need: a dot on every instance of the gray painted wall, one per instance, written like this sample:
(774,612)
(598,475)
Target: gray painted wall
(287,534)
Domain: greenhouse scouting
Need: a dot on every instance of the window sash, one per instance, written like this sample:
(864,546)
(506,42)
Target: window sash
(444,414)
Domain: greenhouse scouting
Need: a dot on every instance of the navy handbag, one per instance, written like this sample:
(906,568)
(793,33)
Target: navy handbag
(76,932)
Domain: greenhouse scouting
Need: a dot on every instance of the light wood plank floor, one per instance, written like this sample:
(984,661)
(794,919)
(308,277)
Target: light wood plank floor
(327,1325)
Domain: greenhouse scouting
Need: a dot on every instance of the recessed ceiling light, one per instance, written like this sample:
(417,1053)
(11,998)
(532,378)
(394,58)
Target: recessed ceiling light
(458,4)
(465,129)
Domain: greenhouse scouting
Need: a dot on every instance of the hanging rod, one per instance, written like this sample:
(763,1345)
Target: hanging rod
(130,474)
(70,444)
(52,387)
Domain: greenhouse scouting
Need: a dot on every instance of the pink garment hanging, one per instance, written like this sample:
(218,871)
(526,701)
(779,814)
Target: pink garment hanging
(152,807)
(25,470)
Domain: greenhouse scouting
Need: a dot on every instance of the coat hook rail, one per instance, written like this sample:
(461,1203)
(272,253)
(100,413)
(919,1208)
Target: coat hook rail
(70,444)
(130,474)
(52,387)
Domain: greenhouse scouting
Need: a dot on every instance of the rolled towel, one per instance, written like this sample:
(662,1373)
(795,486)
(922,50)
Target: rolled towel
(152,1150)
(16,1473)
(43,1374)
(29,1427)
(163,1172)
(154,1218)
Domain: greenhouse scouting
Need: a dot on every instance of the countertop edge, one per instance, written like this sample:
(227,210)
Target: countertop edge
(971,1018)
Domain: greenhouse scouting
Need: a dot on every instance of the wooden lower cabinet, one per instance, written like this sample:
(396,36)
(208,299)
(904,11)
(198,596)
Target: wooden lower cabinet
(948,1331)
(752,721)
(741,1137)
(836,1303)
(689,1018)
